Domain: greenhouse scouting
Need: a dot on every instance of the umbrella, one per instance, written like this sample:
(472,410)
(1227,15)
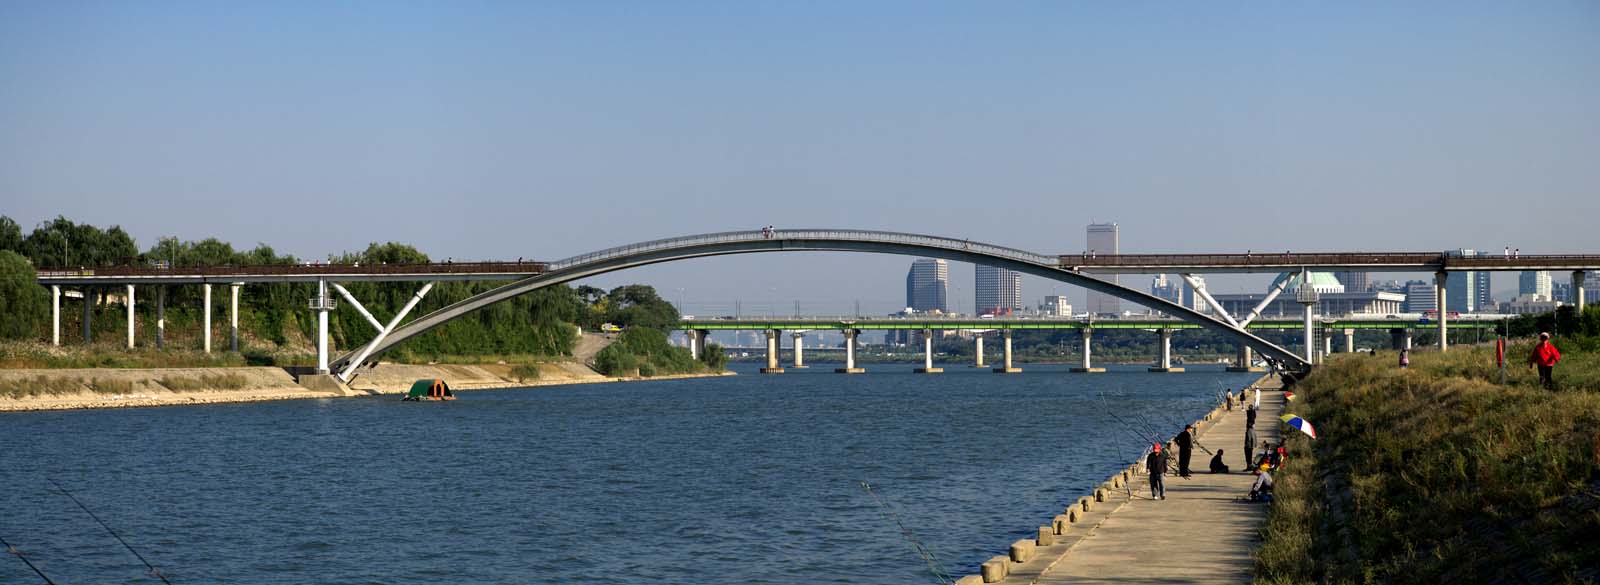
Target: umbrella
(1288,396)
(1299,423)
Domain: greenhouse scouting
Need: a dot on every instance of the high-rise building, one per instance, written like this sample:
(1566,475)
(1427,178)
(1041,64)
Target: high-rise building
(927,284)
(1536,283)
(997,290)
(1354,281)
(1483,295)
(1193,299)
(1055,306)
(1420,297)
(1461,290)
(1164,288)
(1102,239)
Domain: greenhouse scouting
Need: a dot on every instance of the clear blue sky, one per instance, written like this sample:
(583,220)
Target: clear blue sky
(506,129)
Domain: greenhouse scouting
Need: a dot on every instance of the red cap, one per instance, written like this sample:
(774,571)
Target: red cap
(1155,447)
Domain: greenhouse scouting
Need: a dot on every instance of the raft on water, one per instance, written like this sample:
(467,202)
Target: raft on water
(429,390)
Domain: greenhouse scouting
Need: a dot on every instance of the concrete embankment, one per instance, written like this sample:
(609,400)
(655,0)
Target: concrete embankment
(1202,533)
(61,389)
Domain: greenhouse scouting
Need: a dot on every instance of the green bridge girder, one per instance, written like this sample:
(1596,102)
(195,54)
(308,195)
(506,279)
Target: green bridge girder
(791,324)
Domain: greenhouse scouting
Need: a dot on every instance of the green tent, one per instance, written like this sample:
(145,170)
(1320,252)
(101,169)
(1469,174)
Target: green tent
(430,389)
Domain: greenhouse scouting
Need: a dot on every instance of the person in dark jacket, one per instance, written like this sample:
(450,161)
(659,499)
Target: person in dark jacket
(1249,446)
(1217,466)
(1250,415)
(1185,442)
(1156,465)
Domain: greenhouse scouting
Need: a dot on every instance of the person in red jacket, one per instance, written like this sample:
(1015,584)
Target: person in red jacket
(1545,355)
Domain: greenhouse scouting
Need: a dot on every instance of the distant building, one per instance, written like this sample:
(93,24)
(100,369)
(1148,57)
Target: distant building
(1420,297)
(1103,239)
(1192,299)
(997,290)
(1562,291)
(1461,288)
(1332,301)
(1536,283)
(1529,304)
(1483,297)
(1354,281)
(1164,288)
(927,284)
(1055,306)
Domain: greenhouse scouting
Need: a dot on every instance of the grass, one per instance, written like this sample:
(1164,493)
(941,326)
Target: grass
(1441,474)
(525,372)
(39,386)
(204,382)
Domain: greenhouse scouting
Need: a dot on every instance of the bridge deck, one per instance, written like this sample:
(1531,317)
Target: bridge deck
(792,324)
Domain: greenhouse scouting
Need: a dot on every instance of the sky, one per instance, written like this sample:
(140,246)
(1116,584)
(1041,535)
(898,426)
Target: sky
(498,130)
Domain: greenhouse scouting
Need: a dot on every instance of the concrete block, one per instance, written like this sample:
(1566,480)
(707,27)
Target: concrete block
(1086,502)
(970,580)
(1007,370)
(1087,370)
(1022,551)
(930,370)
(1047,536)
(1163,370)
(1060,523)
(1100,495)
(849,370)
(1074,514)
(995,569)
(323,383)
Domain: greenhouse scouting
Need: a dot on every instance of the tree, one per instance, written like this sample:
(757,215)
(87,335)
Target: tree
(638,305)
(10,235)
(23,302)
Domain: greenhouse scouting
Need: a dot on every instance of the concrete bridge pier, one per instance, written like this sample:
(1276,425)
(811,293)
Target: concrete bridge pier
(696,342)
(1242,362)
(1007,369)
(773,347)
(233,317)
(1439,280)
(1164,363)
(88,315)
(850,353)
(1349,341)
(1578,299)
(320,304)
(1088,366)
(978,352)
(1327,344)
(206,331)
(161,316)
(927,354)
(799,350)
(55,314)
(130,316)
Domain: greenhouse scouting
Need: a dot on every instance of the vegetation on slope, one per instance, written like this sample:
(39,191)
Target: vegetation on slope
(1442,474)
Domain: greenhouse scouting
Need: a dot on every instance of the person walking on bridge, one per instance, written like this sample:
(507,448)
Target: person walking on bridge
(1156,465)
(1185,441)
(1545,356)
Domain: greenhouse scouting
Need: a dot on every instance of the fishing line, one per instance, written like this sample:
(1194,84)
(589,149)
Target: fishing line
(153,569)
(927,556)
(18,553)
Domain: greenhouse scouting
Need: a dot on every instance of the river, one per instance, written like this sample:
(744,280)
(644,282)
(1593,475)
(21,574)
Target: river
(740,479)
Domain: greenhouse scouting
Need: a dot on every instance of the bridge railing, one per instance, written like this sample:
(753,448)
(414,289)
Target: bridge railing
(1249,259)
(302,269)
(805,235)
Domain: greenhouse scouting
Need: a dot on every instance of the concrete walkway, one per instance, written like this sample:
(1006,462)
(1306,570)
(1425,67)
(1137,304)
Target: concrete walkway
(1202,533)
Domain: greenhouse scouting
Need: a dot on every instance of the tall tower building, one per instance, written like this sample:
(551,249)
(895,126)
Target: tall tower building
(998,290)
(927,284)
(1165,288)
(1535,283)
(1102,239)
(1354,281)
(1461,290)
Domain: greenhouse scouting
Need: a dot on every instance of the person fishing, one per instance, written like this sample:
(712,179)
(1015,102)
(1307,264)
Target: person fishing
(1217,466)
(1156,465)
(1249,444)
(1185,441)
(1230,399)
(1261,490)
(1250,416)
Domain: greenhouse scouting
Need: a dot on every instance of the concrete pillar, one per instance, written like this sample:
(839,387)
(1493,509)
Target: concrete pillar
(55,314)
(978,353)
(1088,365)
(130,316)
(694,345)
(1311,342)
(1005,334)
(1578,299)
(1439,280)
(1407,340)
(161,316)
(773,347)
(1164,361)
(233,317)
(88,315)
(1243,361)
(850,353)
(205,333)
(927,354)
(1349,341)
(322,324)
(1327,344)
(799,350)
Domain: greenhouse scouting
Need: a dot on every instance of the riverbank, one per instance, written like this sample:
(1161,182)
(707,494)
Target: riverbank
(77,388)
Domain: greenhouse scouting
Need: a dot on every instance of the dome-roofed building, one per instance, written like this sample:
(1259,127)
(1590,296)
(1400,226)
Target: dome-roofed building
(1322,282)
(1332,301)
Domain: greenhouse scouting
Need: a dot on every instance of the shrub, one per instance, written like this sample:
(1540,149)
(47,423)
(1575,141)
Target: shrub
(525,372)
(110,386)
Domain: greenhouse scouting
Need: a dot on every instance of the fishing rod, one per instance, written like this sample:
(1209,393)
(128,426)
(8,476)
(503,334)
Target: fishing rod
(18,553)
(153,570)
(927,556)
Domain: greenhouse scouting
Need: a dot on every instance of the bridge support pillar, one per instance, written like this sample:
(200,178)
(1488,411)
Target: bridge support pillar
(977,352)
(1578,299)
(1349,341)
(206,330)
(850,354)
(1439,280)
(55,314)
(88,315)
(799,350)
(1327,343)
(773,347)
(161,316)
(1242,362)
(233,317)
(1164,362)
(1005,334)
(695,348)
(130,316)
(927,354)
(322,324)
(1088,366)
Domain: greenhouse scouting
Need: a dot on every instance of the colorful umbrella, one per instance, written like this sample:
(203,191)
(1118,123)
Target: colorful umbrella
(1299,423)
(1288,396)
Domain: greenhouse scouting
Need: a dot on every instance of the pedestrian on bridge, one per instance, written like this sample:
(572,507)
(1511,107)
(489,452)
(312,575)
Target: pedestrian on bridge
(1156,465)
(1545,356)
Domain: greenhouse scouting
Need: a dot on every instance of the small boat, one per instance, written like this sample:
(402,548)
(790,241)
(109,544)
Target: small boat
(429,390)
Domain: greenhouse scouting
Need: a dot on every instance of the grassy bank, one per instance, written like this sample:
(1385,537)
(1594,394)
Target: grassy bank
(1441,474)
